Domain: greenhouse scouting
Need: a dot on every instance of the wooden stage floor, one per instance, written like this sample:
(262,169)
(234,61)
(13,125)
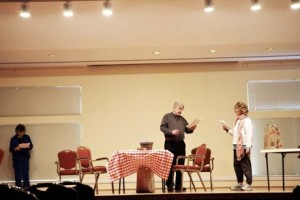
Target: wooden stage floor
(217,194)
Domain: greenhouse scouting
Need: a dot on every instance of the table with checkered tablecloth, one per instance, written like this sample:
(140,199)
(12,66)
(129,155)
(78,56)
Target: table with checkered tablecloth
(126,162)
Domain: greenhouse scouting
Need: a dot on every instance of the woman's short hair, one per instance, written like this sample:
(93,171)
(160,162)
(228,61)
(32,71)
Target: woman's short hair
(241,106)
(20,128)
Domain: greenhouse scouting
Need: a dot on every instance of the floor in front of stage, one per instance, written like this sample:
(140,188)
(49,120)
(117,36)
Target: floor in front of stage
(275,193)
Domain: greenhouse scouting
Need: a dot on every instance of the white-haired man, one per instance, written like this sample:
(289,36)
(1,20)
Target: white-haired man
(174,127)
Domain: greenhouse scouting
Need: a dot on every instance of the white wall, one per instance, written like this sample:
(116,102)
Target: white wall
(123,105)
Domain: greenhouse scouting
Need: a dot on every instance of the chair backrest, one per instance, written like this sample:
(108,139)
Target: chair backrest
(1,155)
(67,159)
(200,155)
(84,156)
(207,156)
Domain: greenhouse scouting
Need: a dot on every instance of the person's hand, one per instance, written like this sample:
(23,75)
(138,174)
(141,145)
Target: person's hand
(17,148)
(225,129)
(247,150)
(175,132)
(193,127)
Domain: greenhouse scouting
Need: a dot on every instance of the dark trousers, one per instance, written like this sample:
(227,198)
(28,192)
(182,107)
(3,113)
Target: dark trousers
(177,148)
(242,167)
(21,170)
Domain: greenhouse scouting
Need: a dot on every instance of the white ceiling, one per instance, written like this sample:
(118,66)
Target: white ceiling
(179,29)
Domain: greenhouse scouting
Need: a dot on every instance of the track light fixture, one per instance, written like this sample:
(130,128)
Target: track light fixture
(295,4)
(68,10)
(107,8)
(24,10)
(209,6)
(255,5)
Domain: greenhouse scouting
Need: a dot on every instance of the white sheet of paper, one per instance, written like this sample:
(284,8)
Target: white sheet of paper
(195,122)
(24,145)
(224,124)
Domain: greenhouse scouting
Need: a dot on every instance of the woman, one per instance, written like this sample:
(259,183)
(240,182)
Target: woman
(242,144)
(20,145)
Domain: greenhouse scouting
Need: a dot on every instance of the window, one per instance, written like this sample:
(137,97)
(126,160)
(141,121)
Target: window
(40,101)
(274,95)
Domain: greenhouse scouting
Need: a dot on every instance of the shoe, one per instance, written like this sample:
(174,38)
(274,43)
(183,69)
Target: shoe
(170,189)
(236,187)
(247,187)
(179,190)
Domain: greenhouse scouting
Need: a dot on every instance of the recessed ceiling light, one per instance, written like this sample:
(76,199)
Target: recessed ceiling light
(212,51)
(51,55)
(270,49)
(156,52)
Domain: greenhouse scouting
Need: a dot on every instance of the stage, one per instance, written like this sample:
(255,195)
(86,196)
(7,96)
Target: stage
(217,194)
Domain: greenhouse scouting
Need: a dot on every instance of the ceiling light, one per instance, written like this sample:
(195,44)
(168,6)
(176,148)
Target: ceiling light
(156,52)
(255,5)
(270,49)
(51,55)
(107,9)
(295,4)
(68,10)
(208,6)
(212,51)
(24,10)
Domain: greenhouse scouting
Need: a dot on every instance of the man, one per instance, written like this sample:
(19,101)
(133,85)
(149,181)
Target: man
(174,127)
(20,145)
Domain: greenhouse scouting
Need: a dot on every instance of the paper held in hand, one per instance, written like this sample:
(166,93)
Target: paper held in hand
(24,145)
(194,123)
(224,124)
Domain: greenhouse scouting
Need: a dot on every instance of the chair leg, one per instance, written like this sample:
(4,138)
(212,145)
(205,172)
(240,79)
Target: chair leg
(211,183)
(181,188)
(201,181)
(191,181)
(81,178)
(96,182)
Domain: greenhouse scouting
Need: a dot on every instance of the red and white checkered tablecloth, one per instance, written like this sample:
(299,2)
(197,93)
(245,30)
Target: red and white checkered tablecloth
(126,162)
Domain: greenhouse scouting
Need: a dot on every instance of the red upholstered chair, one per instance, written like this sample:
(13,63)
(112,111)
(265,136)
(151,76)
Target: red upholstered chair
(87,166)
(208,164)
(197,162)
(1,155)
(67,163)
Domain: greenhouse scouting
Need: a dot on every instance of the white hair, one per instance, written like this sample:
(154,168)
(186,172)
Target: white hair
(178,103)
